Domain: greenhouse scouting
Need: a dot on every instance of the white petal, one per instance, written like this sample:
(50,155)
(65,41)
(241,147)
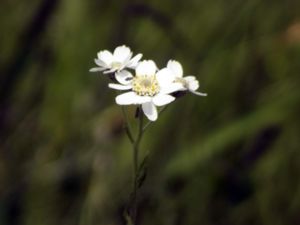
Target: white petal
(127,98)
(192,84)
(146,67)
(142,99)
(110,71)
(150,111)
(119,86)
(190,78)
(164,77)
(99,62)
(130,98)
(173,87)
(105,56)
(199,93)
(96,69)
(176,68)
(161,99)
(124,77)
(122,53)
(135,60)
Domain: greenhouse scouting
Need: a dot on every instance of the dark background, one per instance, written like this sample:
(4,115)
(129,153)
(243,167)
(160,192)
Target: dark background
(231,158)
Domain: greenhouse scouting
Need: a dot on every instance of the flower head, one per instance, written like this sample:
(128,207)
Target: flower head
(188,83)
(117,62)
(148,88)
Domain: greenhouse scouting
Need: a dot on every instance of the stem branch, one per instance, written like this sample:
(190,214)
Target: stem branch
(127,126)
(149,122)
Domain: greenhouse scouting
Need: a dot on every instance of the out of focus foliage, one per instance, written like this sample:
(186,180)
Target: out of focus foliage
(230,158)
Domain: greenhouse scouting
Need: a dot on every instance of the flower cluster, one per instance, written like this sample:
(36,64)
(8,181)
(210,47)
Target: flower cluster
(148,86)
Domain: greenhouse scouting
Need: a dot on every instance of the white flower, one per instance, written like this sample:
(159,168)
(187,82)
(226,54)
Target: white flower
(149,88)
(117,63)
(189,83)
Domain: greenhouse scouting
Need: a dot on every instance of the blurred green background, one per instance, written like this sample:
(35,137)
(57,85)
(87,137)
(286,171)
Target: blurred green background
(231,158)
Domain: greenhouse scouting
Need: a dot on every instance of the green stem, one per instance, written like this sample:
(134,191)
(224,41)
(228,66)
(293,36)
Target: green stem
(136,165)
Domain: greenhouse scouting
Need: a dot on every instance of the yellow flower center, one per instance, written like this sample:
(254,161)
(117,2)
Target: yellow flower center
(182,81)
(116,65)
(145,85)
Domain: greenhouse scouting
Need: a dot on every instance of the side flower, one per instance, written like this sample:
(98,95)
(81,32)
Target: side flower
(149,88)
(188,83)
(117,62)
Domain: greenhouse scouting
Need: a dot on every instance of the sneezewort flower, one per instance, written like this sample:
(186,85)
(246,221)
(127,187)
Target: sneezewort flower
(148,88)
(188,83)
(117,62)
